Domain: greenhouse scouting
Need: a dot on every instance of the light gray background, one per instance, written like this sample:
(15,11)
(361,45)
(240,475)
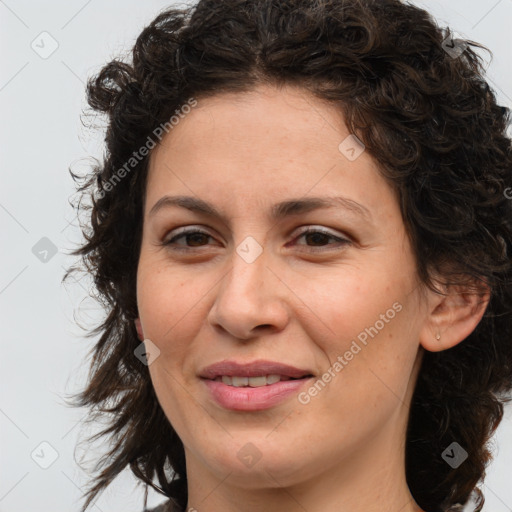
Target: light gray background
(43,349)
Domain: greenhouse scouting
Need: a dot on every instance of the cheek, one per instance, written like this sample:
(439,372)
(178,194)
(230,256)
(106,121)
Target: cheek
(169,308)
(163,304)
(372,326)
(351,304)
(163,295)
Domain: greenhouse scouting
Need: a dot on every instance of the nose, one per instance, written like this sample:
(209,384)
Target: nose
(251,299)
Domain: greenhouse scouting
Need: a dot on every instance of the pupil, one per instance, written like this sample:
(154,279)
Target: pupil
(194,236)
(315,237)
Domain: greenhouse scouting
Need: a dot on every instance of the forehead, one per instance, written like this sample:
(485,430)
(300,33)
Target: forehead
(266,142)
(266,114)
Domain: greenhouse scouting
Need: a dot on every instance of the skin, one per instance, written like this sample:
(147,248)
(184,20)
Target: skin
(344,450)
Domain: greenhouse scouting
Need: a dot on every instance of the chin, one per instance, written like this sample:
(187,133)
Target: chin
(254,462)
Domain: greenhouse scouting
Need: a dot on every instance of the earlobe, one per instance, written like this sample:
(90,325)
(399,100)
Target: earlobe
(453,318)
(138,326)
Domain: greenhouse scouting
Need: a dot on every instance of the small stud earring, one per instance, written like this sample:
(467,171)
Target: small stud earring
(438,336)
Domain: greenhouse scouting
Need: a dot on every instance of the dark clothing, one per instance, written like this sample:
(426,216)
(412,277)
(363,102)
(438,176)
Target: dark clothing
(167,506)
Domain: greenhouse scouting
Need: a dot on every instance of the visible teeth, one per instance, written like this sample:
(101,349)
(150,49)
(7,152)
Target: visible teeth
(238,382)
(253,382)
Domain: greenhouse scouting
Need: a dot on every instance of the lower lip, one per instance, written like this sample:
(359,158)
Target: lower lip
(253,399)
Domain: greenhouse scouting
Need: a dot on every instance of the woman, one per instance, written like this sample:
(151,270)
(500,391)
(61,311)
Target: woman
(301,235)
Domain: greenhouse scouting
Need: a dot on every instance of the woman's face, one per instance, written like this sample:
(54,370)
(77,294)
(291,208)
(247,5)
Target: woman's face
(342,304)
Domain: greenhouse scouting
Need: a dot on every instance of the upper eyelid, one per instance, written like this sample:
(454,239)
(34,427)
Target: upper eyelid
(301,230)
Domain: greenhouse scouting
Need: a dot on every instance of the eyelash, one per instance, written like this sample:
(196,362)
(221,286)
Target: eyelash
(171,242)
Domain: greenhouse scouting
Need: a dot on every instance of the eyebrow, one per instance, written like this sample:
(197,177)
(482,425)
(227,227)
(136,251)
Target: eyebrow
(278,211)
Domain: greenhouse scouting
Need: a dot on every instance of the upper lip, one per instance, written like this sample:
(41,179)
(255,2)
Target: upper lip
(251,369)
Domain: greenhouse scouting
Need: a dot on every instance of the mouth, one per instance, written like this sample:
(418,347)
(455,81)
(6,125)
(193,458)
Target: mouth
(259,368)
(255,382)
(252,386)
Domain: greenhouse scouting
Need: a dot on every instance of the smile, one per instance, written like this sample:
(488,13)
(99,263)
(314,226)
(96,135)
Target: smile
(253,382)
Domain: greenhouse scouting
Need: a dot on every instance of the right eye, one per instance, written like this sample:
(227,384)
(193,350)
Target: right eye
(187,234)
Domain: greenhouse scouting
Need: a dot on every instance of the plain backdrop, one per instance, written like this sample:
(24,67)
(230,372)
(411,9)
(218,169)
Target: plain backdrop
(48,50)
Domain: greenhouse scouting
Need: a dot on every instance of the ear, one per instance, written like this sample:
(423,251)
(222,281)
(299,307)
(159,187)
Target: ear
(452,317)
(138,326)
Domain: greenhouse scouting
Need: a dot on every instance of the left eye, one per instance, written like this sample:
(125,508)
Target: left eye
(317,236)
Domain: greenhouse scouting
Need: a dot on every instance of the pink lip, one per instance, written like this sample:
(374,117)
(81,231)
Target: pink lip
(247,398)
(252,399)
(252,369)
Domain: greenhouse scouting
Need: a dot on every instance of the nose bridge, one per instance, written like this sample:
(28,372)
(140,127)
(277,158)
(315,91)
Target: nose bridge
(246,297)
(252,252)
(251,238)
(248,270)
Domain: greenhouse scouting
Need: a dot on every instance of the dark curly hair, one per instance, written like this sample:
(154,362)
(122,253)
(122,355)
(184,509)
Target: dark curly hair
(426,115)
